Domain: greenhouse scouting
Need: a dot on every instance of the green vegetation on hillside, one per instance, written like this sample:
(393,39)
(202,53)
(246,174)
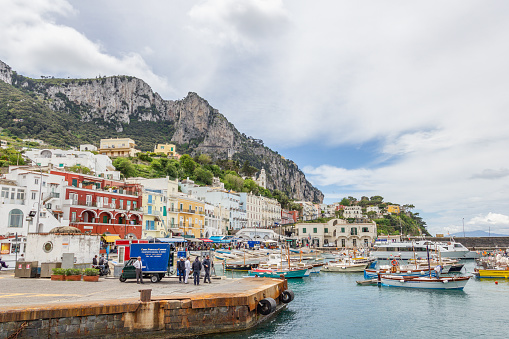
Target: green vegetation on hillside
(406,222)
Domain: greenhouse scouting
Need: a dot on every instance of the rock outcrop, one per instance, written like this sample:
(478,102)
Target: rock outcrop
(119,100)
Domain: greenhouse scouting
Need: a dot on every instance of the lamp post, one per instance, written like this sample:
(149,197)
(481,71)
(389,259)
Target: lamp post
(40,193)
(463,227)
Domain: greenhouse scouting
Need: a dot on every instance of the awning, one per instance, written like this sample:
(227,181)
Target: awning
(172,239)
(206,240)
(110,238)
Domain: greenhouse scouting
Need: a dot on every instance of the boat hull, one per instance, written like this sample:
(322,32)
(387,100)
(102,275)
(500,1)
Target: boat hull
(504,274)
(344,268)
(425,282)
(372,273)
(277,274)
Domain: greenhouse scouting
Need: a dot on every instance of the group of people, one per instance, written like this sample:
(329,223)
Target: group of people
(184,269)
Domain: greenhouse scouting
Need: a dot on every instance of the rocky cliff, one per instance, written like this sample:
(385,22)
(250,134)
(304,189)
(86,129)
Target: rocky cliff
(118,103)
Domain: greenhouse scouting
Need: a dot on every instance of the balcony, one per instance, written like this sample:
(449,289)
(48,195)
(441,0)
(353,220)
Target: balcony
(13,201)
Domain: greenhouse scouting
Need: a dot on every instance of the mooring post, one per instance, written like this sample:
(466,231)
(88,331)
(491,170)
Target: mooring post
(145,295)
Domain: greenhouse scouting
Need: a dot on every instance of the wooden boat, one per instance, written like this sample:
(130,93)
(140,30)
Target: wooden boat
(369,282)
(278,273)
(344,266)
(446,283)
(371,273)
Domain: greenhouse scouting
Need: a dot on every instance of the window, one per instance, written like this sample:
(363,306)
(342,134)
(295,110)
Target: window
(105,219)
(181,207)
(304,230)
(343,243)
(74,182)
(36,181)
(5,192)
(342,230)
(34,195)
(121,204)
(60,165)
(326,230)
(20,195)
(73,216)
(365,229)
(150,225)
(315,230)
(15,218)
(128,204)
(149,210)
(354,242)
(353,231)
(149,198)
(134,204)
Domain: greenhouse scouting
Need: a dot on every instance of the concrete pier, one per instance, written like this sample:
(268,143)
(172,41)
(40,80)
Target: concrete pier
(111,309)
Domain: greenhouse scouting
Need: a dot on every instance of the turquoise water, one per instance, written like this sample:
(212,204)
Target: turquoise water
(332,305)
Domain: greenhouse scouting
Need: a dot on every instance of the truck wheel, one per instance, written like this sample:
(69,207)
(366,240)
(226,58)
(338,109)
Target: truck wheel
(154,278)
(266,306)
(122,279)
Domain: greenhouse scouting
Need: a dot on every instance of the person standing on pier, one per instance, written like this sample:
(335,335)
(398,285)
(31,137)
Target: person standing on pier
(181,268)
(188,269)
(206,267)
(138,266)
(196,270)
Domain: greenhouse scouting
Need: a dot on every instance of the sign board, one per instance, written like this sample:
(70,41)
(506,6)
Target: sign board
(88,227)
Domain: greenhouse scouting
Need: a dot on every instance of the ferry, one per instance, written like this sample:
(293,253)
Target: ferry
(417,249)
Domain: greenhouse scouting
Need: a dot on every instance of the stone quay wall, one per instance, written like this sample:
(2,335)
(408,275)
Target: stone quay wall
(169,316)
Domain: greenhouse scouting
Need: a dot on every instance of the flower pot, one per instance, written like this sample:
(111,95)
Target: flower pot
(73,277)
(93,278)
(57,277)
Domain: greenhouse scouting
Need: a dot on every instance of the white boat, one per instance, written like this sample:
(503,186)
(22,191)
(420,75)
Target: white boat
(446,283)
(344,266)
(405,250)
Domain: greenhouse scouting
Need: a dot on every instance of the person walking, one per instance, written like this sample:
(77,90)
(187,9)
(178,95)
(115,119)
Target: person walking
(188,270)
(196,270)
(181,268)
(206,267)
(138,265)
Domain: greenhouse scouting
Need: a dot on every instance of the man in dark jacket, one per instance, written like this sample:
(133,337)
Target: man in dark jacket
(196,270)
(181,268)
(206,266)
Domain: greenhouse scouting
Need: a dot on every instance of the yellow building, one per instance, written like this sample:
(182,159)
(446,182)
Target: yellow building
(154,213)
(168,149)
(124,147)
(191,214)
(393,209)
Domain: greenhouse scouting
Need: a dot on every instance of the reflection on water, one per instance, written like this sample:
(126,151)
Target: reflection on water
(332,305)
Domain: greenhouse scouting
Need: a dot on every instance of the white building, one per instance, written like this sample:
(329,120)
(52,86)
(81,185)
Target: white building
(19,201)
(212,221)
(88,147)
(337,233)
(375,209)
(97,163)
(352,212)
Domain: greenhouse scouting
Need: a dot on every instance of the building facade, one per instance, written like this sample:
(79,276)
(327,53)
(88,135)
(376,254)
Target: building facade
(337,233)
(124,147)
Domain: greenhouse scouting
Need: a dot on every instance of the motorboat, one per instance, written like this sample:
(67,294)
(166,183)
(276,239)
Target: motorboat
(345,265)
(410,249)
(289,273)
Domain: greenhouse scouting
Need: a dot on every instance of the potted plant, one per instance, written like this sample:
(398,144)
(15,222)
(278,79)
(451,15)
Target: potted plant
(91,274)
(73,274)
(58,274)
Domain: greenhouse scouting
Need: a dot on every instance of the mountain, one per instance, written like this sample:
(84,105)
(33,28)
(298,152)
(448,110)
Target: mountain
(478,234)
(69,112)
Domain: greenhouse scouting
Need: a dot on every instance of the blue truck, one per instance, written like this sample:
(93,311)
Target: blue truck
(156,260)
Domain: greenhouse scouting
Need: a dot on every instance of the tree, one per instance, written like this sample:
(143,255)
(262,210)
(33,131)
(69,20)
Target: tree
(250,186)
(203,175)
(345,202)
(377,199)
(204,159)
(233,182)
(125,166)
(80,169)
(188,164)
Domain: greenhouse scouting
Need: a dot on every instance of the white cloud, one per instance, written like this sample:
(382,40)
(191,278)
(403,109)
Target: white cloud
(490,219)
(34,44)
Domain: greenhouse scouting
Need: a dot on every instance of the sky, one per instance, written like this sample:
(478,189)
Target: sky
(403,99)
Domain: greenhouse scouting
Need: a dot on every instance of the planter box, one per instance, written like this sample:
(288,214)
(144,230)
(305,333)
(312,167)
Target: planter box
(73,277)
(57,277)
(93,278)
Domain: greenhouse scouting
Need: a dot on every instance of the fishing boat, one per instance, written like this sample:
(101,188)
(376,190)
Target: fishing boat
(501,273)
(371,273)
(446,283)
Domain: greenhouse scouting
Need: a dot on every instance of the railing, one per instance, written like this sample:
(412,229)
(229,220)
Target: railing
(54,195)
(13,201)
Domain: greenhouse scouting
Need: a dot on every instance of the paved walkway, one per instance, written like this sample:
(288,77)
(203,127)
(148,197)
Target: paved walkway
(43,291)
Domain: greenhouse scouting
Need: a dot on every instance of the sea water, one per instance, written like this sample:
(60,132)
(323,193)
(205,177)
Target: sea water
(332,305)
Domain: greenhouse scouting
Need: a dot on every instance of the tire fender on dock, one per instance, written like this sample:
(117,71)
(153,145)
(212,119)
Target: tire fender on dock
(287,296)
(266,306)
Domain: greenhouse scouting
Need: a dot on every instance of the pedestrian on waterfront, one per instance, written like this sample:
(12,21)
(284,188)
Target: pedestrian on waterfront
(188,269)
(181,269)
(206,267)
(196,270)
(94,260)
(138,265)
(3,264)
(438,270)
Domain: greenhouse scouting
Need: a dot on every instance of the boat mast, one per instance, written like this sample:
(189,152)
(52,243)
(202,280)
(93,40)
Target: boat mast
(429,265)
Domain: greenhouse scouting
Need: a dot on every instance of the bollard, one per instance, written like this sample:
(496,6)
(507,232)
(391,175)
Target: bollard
(145,295)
